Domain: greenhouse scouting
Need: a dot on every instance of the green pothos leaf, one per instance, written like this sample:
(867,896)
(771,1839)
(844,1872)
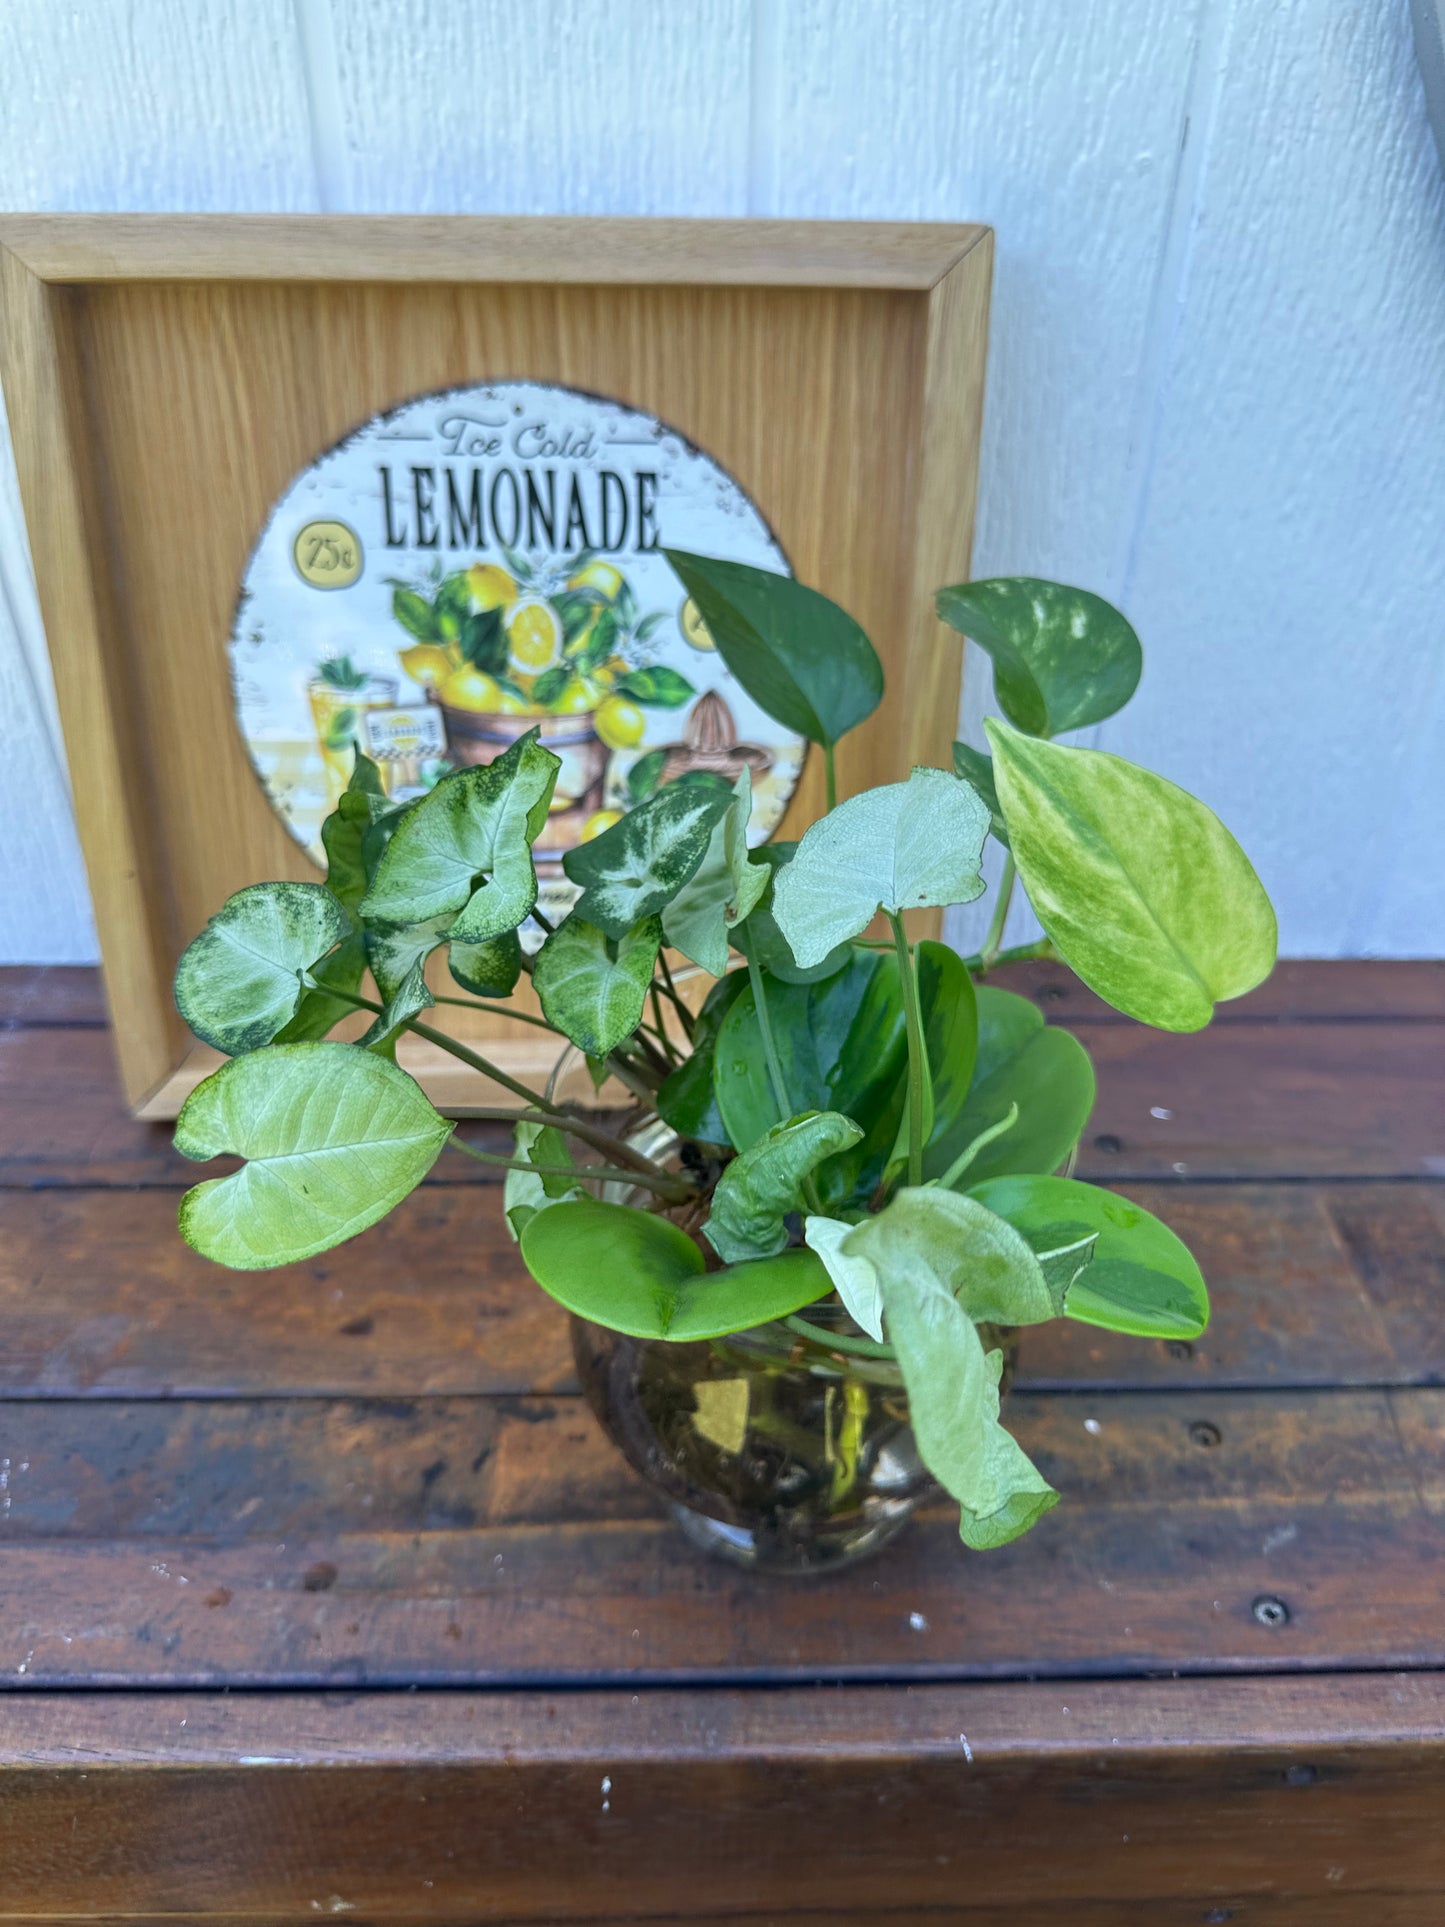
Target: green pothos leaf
(239,981)
(1062,657)
(764,1183)
(334,1137)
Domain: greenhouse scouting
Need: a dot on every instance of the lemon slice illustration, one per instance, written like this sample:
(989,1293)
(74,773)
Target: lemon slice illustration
(694,629)
(534,635)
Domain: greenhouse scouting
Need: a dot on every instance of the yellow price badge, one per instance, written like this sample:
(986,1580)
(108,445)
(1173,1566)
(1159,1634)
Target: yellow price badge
(327,555)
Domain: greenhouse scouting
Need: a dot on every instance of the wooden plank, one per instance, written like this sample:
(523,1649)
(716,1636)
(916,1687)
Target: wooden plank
(1358,989)
(1313,1098)
(508,1547)
(99,1297)
(487,248)
(51,995)
(860,1804)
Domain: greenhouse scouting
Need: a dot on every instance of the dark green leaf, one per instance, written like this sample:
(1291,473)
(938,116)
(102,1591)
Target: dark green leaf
(977,769)
(550,684)
(657,687)
(1062,657)
(637,1273)
(686,1100)
(643,775)
(483,641)
(487,969)
(640,864)
(799,656)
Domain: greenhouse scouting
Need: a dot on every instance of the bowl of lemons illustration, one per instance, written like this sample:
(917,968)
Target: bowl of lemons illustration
(555,647)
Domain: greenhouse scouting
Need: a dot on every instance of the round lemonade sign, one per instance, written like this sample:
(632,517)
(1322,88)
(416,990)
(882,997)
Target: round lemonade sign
(487,561)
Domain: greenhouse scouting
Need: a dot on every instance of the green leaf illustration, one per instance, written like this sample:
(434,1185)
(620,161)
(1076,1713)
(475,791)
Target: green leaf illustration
(904,846)
(1142,1279)
(467,847)
(239,981)
(1062,657)
(416,615)
(656,687)
(1140,887)
(764,1183)
(640,1274)
(800,657)
(593,988)
(641,863)
(335,1136)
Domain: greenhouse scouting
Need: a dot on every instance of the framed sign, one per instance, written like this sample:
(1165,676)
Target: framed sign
(296,485)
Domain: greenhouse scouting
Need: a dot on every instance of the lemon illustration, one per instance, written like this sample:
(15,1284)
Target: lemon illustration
(579,697)
(472,689)
(694,629)
(427,663)
(619,723)
(509,705)
(534,635)
(491,587)
(600,577)
(599,821)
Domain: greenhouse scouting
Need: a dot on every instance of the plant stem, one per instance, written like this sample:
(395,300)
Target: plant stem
(659,1024)
(970,1151)
(674,1190)
(989,954)
(830,776)
(545,924)
(838,1341)
(499,1006)
(1020,953)
(917,1062)
(689,1022)
(770,1049)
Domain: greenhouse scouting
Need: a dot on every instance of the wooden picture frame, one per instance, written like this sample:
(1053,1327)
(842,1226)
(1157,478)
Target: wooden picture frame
(166,376)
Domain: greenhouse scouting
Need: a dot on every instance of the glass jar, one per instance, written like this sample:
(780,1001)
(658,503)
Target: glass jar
(773,1448)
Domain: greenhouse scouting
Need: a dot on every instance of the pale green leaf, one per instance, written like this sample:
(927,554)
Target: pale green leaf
(800,657)
(592,989)
(239,981)
(335,1136)
(527,1192)
(394,954)
(854,1277)
(638,1273)
(969,1251)
(723,890)
(408,1000)
(1062,657)
(904,846)
(1140,887)
(641,863)
(467,847)
(759,937)
(1142,1278)
(1021,1061)
(764,1183)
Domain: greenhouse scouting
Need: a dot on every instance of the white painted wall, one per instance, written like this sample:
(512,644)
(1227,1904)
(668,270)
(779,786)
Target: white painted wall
(1217,388)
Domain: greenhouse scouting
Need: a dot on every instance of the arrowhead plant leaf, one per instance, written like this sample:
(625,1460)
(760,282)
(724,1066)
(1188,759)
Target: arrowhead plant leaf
(1141,1278)
(525,1193)
(640,1274)
(800,657)
(973,1254)
(239,981)
(1062,657)
(408,1000)
(722,891)
(764,1183)
(1140,887)
(334,1137)
(592,989)
(759,937)
(467,848)
(854,1277)
(638,866)
(488,969)
(904,846)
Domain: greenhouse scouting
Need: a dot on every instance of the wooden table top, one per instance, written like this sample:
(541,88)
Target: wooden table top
(320,1590)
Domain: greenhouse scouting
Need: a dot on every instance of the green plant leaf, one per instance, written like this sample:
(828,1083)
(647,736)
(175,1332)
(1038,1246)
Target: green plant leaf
(488,969)
(408,1000)
(637,1273)
(467,847)
(525,1193)
(842,1045)
(591,988)
(641,863)
(903,846)
(239,981)
(977,769)
(335,1136)
(1022,1061)
(855,1279)
(1062,657)
(393,954)
(760,938)
(764,1183)
(656,687)
(799,656)
(686,1100)
(1143,1279)
(948,1007)
(952,1385)
(722,891)
(415,614)
(1141,889)
(319,1012)
(972,1253)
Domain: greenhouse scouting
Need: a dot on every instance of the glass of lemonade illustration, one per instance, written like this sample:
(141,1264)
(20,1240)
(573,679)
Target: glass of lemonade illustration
(340,695)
